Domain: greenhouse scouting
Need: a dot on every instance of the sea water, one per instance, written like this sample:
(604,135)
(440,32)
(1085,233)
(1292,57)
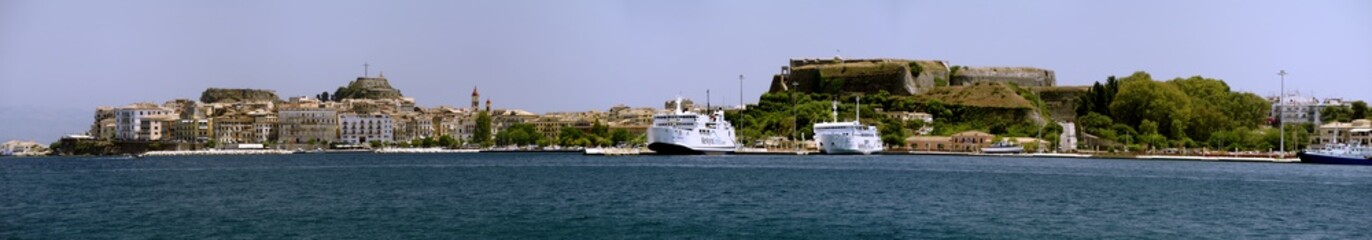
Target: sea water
(552,195)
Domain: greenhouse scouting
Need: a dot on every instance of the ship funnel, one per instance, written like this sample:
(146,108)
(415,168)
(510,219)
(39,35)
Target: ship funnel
(858,111)
(835,111)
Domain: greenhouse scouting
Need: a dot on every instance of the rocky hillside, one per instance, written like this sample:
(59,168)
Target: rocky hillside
(988,95)
(215,95)
(368,88)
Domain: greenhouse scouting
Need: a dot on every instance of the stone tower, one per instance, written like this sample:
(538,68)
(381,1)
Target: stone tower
(488,104)
(476,100)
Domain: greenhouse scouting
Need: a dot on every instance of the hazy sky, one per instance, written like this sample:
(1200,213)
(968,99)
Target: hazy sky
(61,59)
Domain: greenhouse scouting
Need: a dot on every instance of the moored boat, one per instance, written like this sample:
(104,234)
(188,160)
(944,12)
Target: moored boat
(686,132)
(1338,154)
(847,137)
(1003,147)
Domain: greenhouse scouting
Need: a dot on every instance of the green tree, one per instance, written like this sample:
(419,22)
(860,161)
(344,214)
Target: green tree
(1140,98)
(569,136)
(443,141)
(892,134)
(429,142)
(519,134)
(1096,124)
(1359,110)
(482,133)
(600,130)
(1336,113)
(1248,109)
(620,136)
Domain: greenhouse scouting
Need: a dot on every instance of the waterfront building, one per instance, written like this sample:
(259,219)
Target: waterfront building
(106,129)
(414,127)
(926,118)
(503,118)
(104,125)
(550,127)
(355,128)
(191,130)
(929,143)
(232,129)
(141,122)
(1295,108)
(264,127)
(1355,132)
(971,141)
(631,117)
(303,125)
(448,121)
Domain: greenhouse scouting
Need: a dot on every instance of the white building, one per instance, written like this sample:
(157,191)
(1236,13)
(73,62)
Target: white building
(141,122)
(1294,108)
(356,128)
(1067,141)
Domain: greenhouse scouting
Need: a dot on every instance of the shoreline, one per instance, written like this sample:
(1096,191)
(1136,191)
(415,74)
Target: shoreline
(611,152)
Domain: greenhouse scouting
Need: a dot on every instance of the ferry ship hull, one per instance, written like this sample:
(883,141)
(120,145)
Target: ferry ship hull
(1307,157)
(668,141)
(839,144)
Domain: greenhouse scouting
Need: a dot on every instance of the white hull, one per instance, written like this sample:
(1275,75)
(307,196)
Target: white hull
(682,132)
(671,140)
(848,144)
(1002,150)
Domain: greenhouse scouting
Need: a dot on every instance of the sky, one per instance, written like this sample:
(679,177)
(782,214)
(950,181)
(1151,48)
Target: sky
(60,59)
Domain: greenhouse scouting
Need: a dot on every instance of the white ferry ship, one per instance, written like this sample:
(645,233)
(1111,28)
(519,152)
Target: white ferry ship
(684,132)
(847,137)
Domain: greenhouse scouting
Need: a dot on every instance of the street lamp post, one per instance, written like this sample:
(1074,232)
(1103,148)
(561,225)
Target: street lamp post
(794,119)
(741,107)
(1281,111)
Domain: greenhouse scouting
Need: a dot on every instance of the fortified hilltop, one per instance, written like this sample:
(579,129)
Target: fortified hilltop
(366,87)
(895,76)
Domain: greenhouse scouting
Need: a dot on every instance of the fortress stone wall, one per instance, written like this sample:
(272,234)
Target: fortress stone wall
(895,76)
(1022,76)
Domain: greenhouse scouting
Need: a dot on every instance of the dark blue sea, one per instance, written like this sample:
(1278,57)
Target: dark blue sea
(570,196)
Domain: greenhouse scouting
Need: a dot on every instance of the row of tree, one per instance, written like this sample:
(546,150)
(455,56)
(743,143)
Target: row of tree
(524,134)
(1355,110)
(1140,112)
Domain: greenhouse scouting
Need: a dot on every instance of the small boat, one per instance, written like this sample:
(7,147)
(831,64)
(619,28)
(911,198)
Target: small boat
(1338,154)
(1003,147)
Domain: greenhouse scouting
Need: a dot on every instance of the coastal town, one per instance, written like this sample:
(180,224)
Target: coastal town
(919,106)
